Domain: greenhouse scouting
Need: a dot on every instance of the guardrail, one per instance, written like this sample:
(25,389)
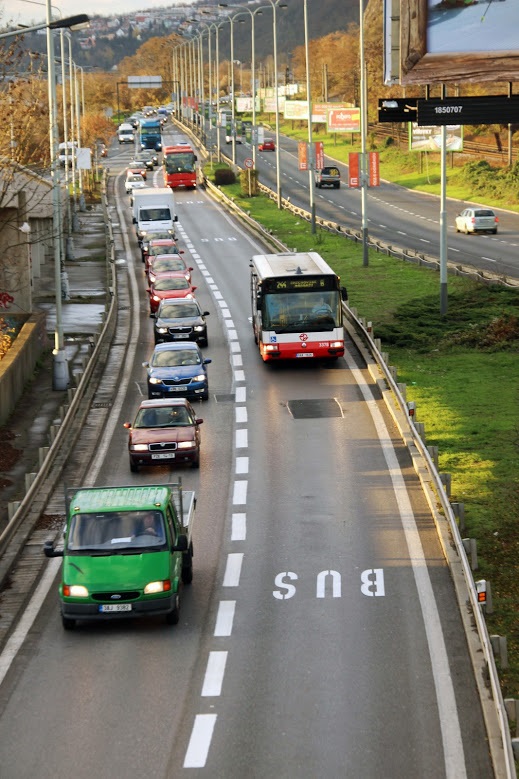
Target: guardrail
(20,525)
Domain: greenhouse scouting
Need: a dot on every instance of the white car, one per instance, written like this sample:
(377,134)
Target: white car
(134,181)
(477,220)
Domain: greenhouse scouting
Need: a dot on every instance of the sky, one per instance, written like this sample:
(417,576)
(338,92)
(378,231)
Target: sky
(23,12)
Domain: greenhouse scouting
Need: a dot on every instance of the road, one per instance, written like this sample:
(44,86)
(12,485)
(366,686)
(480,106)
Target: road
(398,216)
(320,636)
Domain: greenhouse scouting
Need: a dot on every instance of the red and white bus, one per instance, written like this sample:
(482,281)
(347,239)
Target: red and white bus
(179,166)
(296,307)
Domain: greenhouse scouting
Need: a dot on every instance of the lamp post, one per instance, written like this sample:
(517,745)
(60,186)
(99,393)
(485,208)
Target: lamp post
(310,155)
(275,4)
(363,138)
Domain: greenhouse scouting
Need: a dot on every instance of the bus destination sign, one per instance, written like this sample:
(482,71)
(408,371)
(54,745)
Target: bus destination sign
(298,284)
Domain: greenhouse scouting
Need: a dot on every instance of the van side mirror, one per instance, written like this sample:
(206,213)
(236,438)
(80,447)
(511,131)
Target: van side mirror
(181,545)
(49,551)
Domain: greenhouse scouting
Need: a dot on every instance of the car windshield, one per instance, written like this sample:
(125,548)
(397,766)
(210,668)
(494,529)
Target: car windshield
(159,266)
(178,282)
(170,416)
(135,179)
(171,311)
(484,213)
(116,532)
(172,358)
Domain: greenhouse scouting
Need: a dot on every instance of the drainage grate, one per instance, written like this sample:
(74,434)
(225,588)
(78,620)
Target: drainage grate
(317,408)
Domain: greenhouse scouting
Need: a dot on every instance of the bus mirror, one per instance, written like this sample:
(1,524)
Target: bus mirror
(344,293)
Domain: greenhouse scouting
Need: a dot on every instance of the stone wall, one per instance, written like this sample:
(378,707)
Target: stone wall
(19,363)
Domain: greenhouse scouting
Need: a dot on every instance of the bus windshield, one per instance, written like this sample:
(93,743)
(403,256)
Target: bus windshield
(295,311)
(183,162)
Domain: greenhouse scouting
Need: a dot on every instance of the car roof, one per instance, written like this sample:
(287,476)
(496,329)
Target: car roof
(175,346)
(161,402)
(156,257)
(162,241)
(179,301)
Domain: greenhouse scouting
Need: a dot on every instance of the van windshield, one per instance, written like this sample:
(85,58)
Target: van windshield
(116,532)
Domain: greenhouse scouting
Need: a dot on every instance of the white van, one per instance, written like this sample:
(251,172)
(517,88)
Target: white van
(126,133)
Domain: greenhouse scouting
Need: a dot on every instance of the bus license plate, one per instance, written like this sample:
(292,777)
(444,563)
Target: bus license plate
(116,607)
(304,354)
(162,456)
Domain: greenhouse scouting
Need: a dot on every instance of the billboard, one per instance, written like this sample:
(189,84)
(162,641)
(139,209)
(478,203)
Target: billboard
(343,120)
(453,41)
(296,109)
(429,138)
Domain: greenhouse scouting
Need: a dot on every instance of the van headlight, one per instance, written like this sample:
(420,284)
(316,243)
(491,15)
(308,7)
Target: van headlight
(75,591)
(153,587)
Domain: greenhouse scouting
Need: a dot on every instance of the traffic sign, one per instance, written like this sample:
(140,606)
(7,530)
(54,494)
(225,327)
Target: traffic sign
(488,109)
(248,162)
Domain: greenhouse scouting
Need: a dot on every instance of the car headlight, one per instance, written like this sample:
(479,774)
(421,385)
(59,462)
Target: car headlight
(75,591)
(152,587)
(138,447)
(200,377)
(155,297)
(162,329)
(151,277)
(185,444)
(153,380)
(198,328)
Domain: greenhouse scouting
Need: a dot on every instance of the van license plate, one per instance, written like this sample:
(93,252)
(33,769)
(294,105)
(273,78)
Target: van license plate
(116,607)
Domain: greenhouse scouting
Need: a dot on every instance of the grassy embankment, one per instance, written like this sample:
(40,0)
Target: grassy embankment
(463,372)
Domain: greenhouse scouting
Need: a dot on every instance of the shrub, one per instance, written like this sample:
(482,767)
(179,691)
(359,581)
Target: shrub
(224,176)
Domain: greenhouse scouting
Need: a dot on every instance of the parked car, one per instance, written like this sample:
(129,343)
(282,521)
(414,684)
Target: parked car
(329,176)
(477,220)
(164,432)
(268,145)
(167,263)
(178,369)
(133,181)
(178,319)
(171,285)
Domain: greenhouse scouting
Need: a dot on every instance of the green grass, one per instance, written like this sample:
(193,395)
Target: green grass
(462,370)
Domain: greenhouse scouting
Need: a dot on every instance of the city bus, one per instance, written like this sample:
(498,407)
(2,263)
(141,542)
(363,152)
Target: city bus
(179,166)
(296,307)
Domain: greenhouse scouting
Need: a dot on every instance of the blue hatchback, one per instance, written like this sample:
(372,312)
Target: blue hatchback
(177,370)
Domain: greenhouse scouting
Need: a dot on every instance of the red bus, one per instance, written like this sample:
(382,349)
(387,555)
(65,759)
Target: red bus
(296,307)
(179,166)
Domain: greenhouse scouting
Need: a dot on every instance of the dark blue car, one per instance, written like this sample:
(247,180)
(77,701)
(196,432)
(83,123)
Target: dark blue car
(177,370)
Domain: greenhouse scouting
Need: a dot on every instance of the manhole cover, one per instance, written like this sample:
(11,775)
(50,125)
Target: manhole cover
(225,398)
(316,408)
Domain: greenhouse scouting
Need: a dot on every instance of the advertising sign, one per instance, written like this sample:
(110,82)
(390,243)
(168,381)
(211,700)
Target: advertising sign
(302,155)
(353,169)
(374,168)
(343,120)
(429,138)
(458,41)
(296,109)
(319,155)
(320,110)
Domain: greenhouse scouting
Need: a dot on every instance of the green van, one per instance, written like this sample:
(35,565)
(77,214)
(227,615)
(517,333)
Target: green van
(126,552)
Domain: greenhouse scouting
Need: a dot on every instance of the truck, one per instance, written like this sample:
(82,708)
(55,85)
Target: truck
(151,133)
(126,552)
(154,210)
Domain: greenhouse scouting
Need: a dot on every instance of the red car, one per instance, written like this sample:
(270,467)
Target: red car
(164,432)
(170,285)
(267,145)
(137,169)
(167,263)
(162,246)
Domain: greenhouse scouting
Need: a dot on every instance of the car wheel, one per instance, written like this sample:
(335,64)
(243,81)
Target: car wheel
(68,623)
(196,462)
(174,615)
(457,229)
(205,396)
(494,232)
(134,468)
(466,230)
(205,342)
(187,573)
(338,185)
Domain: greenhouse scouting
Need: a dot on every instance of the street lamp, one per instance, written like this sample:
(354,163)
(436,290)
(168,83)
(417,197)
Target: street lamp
(310,156)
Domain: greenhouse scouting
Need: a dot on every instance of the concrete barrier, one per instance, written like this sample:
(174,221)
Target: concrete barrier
(18,365)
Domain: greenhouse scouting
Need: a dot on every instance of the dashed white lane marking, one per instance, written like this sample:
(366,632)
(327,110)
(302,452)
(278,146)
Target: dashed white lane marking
(214,674)
(239,497)
(239,527)
(242,439)
(225,618)
(232,573)
(200,741)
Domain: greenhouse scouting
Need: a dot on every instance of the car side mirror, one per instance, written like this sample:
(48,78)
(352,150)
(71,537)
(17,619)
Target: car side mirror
(198,421)
(193,288)
(145,365)
(207,360)
(127,425)
(206,313)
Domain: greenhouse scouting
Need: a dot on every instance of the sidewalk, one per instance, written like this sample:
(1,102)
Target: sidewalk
(28,428)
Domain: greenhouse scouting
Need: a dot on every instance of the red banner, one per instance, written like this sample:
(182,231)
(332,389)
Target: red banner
(374,169)
(353,169)
(319,155)
(302,155)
